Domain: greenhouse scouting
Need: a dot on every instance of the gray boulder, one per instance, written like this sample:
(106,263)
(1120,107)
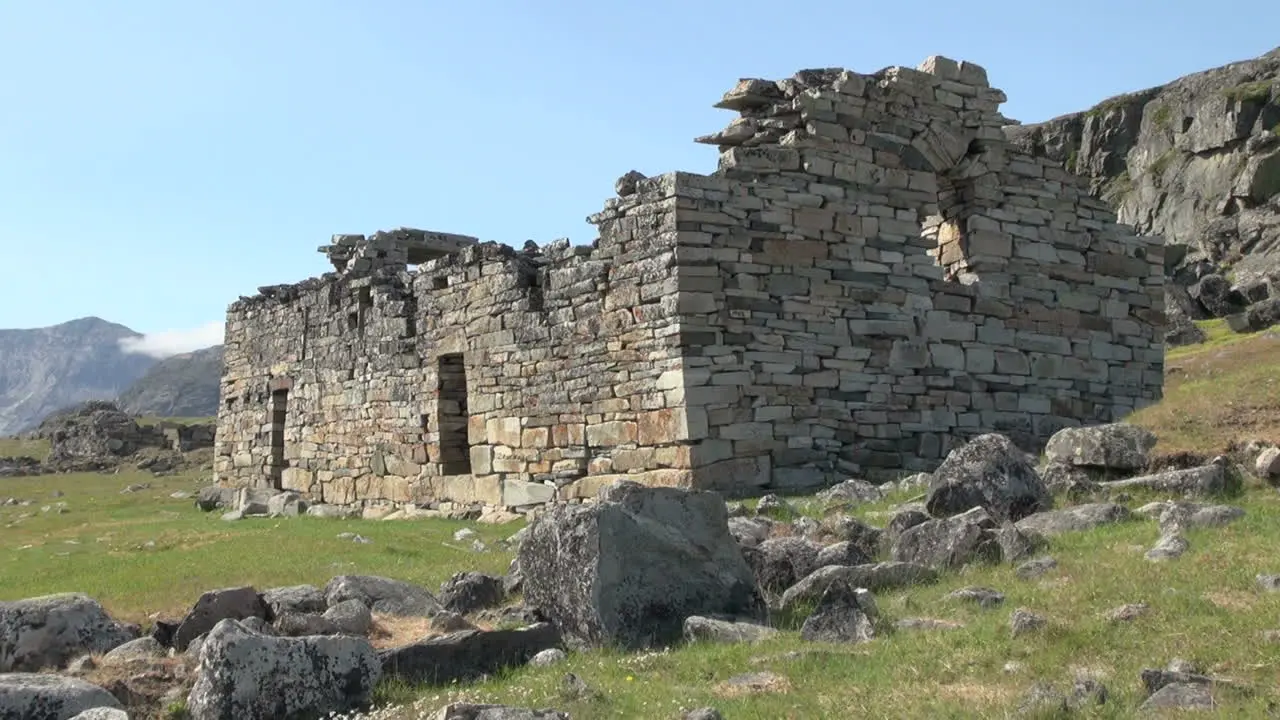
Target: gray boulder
(212,497)
(144,648)
(1200,481)
(294,599)
(467,654)
(750,531)
(286,504)
(471,711)
(874,577)
(467,592)
(628,569)
(102,713)
(843,615)
(841,553)
(31,696)
(351,617)
(47,632)
(989,472)
(236,603)
(852,491)
(1115,446)
(1074,519)
(383,595)
(778,563)
(697,628)
(950,542)
(246,676)
(292,624)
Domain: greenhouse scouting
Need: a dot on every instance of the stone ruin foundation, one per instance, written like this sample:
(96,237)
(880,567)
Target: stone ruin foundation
(872,275)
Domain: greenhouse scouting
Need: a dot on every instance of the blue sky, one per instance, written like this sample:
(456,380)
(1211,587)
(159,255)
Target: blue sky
(159,158)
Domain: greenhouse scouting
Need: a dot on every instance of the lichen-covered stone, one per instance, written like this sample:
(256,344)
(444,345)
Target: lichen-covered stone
(246,676)
(46,632)
(989,472)
(32,696)
(628,569)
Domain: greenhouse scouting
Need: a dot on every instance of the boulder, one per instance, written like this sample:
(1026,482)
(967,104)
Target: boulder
(843,615)
(294,599)
(32,696)
(628,569)
(102,713)
(1202,481)
(1115,447)
(874,577)
(467,654)
(47,632)
(212,497)
(467,592)
(697,628)
(144,648)
(383,595)
(236,603)
(850,529)
(950,542)
(750,531)
(852,491)
(291,624)
(1074,519)
(1216,296)
(351,617)
(841,553)
(1267,466)
(778,563)
(471,711)
(286,504)
(991,473)
(246,676)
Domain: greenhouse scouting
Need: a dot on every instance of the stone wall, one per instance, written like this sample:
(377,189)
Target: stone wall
(872,275)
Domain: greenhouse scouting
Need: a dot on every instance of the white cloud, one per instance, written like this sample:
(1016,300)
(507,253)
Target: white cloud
(174,342)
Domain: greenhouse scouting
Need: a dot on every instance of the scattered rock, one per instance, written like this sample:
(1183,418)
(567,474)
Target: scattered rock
(841,553)
(1267,466)
(1187,515)
(749,531)
(852,491)
(1201,481)
(985,597)
(1127,612)
(991,473)
(349,617)
(468,592)
(468,654)
(1070,481)
(1044,700)
(215,606)
(754,682)
(144,648)
(1169,547)
(706,713)
(31,696)
(1115,446)
(950,542)
(246,676)
(774,505)
(927,624)
(471,711)
(697,628)
(843,615)
(779,563)
(627,569)
(1023,622)
(46,632)
(1074,519)
(1032,569)
(850,529)
(1181,696)
(1268,583)
(292,624)
(286,504)
(548,657)
(382,595)
(875,577)
(294,599)
(902,521)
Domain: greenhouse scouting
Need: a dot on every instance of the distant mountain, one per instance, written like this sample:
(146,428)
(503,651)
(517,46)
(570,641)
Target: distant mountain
(185,385)
(46,369)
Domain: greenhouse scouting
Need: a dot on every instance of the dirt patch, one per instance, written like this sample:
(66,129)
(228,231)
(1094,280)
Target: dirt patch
(1231,599)
(753,683)
(977,693)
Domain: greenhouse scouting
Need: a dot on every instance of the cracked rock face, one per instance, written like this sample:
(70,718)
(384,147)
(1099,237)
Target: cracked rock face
(246,676)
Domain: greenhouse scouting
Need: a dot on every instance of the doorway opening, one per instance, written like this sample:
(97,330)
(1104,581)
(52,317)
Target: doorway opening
(451,415)
(279,416)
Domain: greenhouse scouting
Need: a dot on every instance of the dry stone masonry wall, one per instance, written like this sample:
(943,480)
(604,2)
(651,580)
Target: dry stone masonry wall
(872,276)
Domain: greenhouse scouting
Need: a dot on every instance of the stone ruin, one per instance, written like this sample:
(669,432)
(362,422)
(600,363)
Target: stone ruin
(872,275)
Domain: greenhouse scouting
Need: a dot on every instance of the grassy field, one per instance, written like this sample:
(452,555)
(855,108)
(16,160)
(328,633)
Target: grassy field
(145,553)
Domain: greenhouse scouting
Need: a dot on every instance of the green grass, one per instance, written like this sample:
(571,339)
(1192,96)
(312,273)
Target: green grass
(10,446)
(99,546)
(1259,91)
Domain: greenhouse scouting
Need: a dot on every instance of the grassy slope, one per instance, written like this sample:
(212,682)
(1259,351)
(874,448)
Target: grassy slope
(1204,606)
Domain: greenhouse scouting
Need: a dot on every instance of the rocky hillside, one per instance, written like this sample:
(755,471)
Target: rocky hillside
(184,385)
(44,369)
(1196,160)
